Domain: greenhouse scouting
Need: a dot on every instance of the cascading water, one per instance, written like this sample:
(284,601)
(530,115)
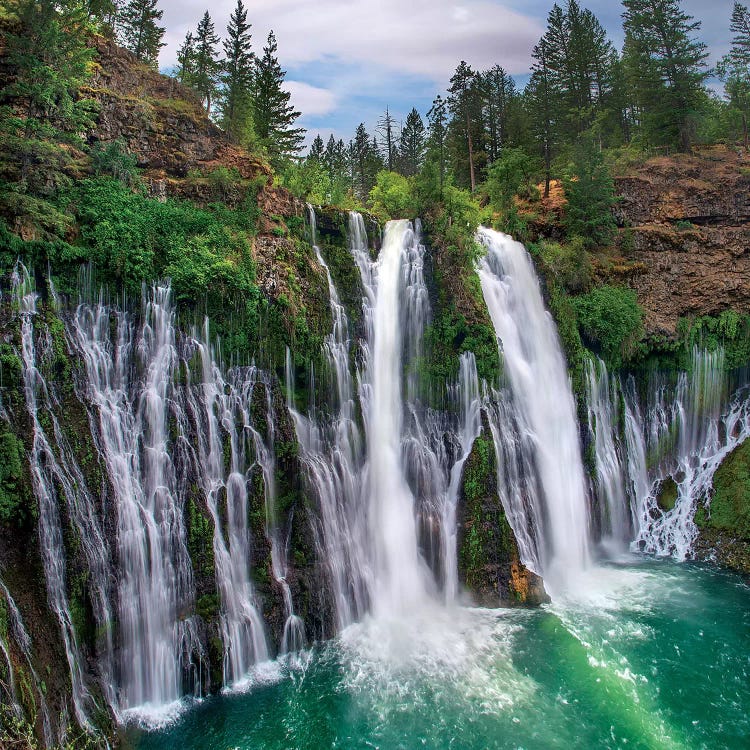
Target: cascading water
(224,410)
(399,582)
(543,403)
(688,437)
(132,423)
(610,481)
(331,452)
(54,487)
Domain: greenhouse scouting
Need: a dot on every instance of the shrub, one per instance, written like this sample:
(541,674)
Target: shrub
(393,197)
(611,319)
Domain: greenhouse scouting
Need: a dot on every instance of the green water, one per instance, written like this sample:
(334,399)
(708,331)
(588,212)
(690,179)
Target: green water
(645,655)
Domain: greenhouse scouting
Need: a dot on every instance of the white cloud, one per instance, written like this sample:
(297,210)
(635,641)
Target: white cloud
(311,100)
(418,37)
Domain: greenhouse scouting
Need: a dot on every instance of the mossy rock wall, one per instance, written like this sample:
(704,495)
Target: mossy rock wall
(724,524)
(489,564)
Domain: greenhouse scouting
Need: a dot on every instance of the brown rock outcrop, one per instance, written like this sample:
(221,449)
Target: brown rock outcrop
(687,229)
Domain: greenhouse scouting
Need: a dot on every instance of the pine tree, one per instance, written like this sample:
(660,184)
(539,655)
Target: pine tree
(274,116)
(498,94)
(577,62)
(317,150)
(437,119)
(366,162)
(388,138)
(465,127)
(237,76)
(411,145)
(139,31)
(665,67)
(206,66)
(542,102)
(185,71)
(41,110)
(734,68)
(590,192)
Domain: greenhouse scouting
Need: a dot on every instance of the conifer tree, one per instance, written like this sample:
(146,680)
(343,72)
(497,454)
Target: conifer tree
(498,93)
(206,66)
(388,139)
(140,32)
(437,119)
(41,109)
(237,76)
(465,127)
(411,144)
(542,101)
(186,60)
(665,67)
(734,68)
(317,149)
(274,116)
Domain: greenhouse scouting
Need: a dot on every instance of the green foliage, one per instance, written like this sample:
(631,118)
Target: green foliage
(729,509)
(590,192)
(12,454)
(274,117)
(113,160)
(392,197)
(729,330)
(568,264)
(512,169)
(666,69)
(42,114)
(611,319)
(139,31)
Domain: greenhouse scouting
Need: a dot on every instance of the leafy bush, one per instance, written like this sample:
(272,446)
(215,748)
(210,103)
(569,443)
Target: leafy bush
(113,160)
(569,264)
(393,197)
(611,319)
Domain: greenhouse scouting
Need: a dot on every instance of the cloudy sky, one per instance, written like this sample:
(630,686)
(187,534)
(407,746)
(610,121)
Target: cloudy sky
(347,60)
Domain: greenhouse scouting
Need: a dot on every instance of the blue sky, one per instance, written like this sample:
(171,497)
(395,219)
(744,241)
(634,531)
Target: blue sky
(347,60)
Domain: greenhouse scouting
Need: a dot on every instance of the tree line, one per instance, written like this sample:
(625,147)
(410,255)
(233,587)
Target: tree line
(652,95)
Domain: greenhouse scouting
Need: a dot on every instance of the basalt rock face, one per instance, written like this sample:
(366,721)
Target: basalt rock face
(686,235)
(162,122)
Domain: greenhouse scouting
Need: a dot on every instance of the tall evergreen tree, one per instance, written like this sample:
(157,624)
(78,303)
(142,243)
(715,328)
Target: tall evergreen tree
(237,76)
(140,32)
(498,93)
(666,68)
(366,162)
(465,127)
(274,116)
(317,149)
(42,112)
(542,101)
(206,66)
(577,61)
(186,61)
(411,145)
(734,68)
(437,119)
(388,139)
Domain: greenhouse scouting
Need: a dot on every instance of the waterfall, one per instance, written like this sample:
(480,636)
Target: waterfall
(400,584)
(132,420)
(603,405)
(688,437)
(331,454)
(467,393)
(51,478)
(222,411)
(543,402)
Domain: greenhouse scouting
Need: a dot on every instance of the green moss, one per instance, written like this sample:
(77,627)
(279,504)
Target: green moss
(13,497)
(207,607)
(729,509)
(200,534)
(667,497)
(729,330)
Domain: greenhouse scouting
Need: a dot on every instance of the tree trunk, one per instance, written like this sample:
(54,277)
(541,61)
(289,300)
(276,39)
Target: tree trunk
(471,154)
